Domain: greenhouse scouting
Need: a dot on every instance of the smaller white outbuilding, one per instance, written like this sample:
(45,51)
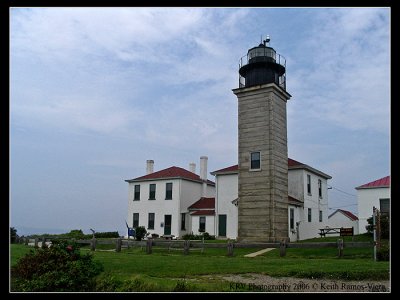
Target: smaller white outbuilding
(372,194)
(343,218)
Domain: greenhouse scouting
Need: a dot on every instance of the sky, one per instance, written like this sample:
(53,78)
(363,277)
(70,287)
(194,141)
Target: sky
(95,92)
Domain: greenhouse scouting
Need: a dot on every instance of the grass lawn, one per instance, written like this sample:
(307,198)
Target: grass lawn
(165,271)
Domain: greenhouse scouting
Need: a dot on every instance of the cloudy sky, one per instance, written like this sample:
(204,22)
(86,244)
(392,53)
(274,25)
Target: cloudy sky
(95,92)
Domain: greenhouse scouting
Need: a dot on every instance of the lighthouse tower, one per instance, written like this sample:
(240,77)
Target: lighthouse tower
(263,155)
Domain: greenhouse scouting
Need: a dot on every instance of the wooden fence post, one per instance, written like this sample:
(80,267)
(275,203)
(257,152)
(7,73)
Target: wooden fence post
(282,248)
(186,245)
(93,245)
(340,247)
(118,245)
(149,244)
(230,248)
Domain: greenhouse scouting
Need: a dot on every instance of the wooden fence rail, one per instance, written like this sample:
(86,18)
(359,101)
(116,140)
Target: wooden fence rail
(186,245)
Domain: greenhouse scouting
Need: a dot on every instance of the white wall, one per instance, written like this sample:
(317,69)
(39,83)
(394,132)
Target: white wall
(184,194)
(296,180)
(340,220)
(210,222)
(159,206)
(366,200)
(191,192)
(227,190)
(294,234)
(316,203)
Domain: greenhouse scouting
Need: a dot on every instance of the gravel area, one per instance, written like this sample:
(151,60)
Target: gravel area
(263,283)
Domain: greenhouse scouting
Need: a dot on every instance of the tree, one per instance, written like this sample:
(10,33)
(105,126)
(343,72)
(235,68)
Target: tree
(384,222)
(13,235)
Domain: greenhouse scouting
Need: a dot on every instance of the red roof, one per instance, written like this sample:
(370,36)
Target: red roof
(294,201)
(172,172)
(347,213)
(203,203)
(382,182)
(291,163)
(233,168)
(210,212)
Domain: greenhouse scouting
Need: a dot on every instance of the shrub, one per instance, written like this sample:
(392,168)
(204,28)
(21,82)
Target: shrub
(140,232)
(59,268)
(205,235)
(383,253)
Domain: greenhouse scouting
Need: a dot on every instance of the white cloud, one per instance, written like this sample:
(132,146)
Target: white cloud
(347,79)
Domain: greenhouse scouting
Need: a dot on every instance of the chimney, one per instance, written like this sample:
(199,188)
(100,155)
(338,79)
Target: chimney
(192,167)
(203,167)
(149,166)
(203,174)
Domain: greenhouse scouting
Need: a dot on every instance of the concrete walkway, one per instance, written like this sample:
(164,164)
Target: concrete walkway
(259,252)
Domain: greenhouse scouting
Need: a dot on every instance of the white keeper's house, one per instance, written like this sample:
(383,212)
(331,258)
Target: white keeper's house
(160,201)
(176,201)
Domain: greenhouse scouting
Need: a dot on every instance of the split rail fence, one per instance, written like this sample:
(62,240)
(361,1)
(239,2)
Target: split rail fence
(189,245)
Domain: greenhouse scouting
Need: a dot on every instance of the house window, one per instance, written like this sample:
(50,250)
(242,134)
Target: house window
(135,220)
(309,184)
(152,192)
(168,191)
(320,188)
(320,215)
(137,192)
(309,215)
(202,227)
(255,161)
(384,205)
(291,218)
(183,221)
(151,221)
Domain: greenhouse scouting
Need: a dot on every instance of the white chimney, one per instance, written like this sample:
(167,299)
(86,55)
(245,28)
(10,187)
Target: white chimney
(192,167)
(149,166)
(203,174)
(203,167)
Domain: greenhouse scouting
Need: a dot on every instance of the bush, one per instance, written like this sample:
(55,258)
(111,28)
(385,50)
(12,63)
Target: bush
(140,232)
(107,234)
(383,253)
(192,236)
(59,268)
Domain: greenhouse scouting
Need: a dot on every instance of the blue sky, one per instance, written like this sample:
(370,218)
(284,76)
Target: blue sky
(95,92)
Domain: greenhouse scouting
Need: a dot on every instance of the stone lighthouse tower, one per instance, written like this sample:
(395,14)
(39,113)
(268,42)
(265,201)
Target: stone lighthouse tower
(263,154)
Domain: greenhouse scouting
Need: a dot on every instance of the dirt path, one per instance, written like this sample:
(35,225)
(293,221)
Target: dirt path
(262,283)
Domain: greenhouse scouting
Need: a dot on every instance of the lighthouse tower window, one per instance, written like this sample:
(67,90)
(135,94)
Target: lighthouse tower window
(255,161)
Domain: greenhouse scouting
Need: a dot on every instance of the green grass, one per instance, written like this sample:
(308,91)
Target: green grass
(162,270)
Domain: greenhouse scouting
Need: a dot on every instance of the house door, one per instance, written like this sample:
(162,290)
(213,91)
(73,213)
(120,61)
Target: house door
(221,225)
(167,224)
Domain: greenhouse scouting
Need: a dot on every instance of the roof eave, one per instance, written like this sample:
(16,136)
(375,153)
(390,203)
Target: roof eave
(372,187)
(315,171)
(168,178)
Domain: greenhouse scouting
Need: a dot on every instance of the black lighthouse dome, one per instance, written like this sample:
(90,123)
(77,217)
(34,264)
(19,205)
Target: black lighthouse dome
(262,65)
